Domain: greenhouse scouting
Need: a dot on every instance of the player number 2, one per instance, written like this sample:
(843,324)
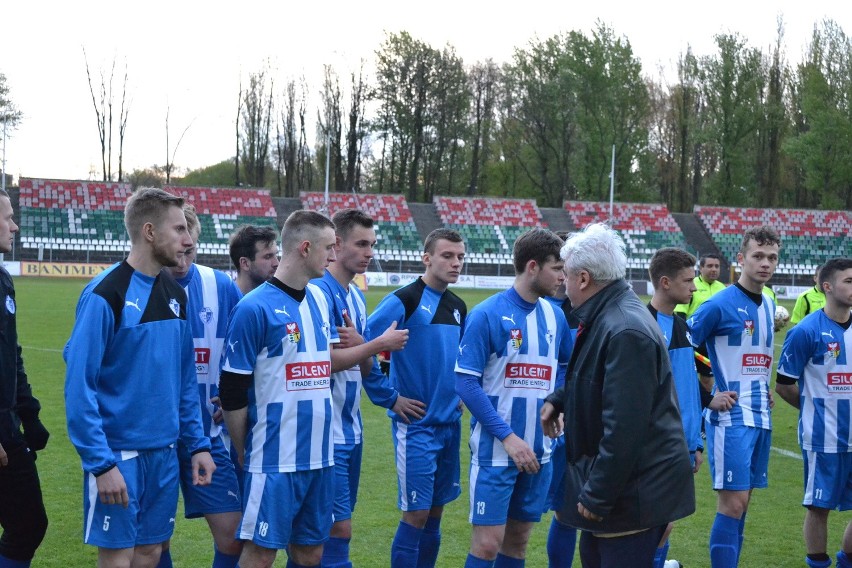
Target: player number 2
(262,527)
(480,507)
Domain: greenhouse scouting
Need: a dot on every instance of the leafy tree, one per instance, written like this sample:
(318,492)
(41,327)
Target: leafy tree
(256,117)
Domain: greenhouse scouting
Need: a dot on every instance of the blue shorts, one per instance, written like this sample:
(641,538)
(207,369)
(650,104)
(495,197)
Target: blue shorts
(828,480)
(501,491)
(556,492)
(223,493)
(152,490)
(347,476)
(235,459)
(419,450)
(738,456)
(287,508)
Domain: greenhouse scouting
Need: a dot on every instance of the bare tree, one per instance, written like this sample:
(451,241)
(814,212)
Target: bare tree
(103,103)
(170,156)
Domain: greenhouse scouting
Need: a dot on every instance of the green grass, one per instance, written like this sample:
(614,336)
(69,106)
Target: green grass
(46,315)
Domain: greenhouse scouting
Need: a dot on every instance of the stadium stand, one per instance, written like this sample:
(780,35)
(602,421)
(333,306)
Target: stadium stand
(489,225)
(809,237)
(396,234)
(645,227)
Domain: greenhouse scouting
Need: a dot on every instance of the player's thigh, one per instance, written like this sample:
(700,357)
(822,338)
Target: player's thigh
(347,475)
(448,476)
(312,523)
(730,450)
(491,490)
(529,495)
(159,500)
(221,495)
(828,484)
(416,452)
(22,512)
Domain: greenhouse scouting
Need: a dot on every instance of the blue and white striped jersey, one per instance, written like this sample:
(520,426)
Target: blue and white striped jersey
(739,335)
(514,348)
(346,385)
(286,344)
(816,352)
(211,295)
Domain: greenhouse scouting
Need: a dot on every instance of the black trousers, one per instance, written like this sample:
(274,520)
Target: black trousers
(632,551)
(22,513)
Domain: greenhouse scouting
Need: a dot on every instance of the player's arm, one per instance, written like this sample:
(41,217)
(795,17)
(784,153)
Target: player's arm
(703,322)
(84,353)
(788,389)
(191,429)
(28,408)
(795,353)
(626,403)
(233,391)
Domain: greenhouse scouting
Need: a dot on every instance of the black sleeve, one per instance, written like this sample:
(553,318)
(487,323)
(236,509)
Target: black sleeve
(784,379)
(233,390)
(27,406)
(706,396)
(556,398)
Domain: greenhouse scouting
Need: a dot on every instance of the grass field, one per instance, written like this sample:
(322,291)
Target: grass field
(46,315)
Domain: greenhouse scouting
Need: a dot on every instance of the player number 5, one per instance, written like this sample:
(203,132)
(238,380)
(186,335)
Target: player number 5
(106,523)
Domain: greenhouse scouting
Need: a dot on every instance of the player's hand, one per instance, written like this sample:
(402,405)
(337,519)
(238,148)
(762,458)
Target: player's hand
(521,454)
(406,408)
(588,514)
(35,434)
(111,488)
(393,339)
(4,459)
(724,400)
(349,336)
(218,415)
(551,422)
(699,459)
(202,468)
(771,400)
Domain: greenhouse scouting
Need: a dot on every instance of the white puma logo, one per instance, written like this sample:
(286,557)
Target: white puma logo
(426,308)
(828,333)
(234,495)
(282,311)
(510,318)
(134,304)
(743,310)
(232,345)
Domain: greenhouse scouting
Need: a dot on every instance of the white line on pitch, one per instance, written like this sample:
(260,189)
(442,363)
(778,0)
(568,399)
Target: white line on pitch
(787,453)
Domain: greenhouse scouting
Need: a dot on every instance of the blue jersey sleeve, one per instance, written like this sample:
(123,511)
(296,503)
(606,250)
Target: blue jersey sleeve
(797,350)
(244,340)
(389,310)
(703,322)
(474,350)
(378,388)
(84,354)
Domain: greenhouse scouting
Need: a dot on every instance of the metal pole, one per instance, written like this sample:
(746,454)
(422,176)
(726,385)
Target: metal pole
(612,184)
(5,120)
(327,160)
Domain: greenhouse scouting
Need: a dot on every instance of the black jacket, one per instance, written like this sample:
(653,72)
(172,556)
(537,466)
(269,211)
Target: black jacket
(627,457)
(17,403)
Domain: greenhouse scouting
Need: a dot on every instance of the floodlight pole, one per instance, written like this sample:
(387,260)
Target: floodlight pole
(612,183)
(327,160)
(3,183)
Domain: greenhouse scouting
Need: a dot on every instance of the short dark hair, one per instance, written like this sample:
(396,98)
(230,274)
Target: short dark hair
(832,267)
(764,235)
(245,237)
(540,245)
(441,234)
(147,204)
(347,219)
(668,262)
(703,260)
(302,225)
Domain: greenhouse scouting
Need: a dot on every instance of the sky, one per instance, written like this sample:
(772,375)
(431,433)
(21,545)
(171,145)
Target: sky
(188,57)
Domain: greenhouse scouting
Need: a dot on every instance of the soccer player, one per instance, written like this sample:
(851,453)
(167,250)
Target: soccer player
(254,253)
(706,285)
(424,371)
(622,426)
(22,513)
(356,238)
(275,391)
(507,364)
(131,390)
(211,295)
(814,376)
(672,271)
(809,301)
(737,325)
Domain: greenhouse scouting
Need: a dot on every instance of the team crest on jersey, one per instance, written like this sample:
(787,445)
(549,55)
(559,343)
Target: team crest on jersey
(516,338)
(206,315)
(834,349)
(457,315)
(749,327)
(294,334)
(10,305)
(174,306)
